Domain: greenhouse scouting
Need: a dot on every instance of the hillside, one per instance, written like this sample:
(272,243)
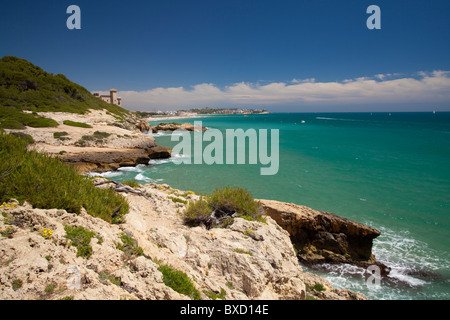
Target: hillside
(26,87)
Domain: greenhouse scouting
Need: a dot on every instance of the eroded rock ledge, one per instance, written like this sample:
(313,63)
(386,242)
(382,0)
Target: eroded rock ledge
(176,126)
(100,145)
(324,237)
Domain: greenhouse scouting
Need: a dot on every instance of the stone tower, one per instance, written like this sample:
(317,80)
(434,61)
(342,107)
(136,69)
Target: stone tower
(113,93)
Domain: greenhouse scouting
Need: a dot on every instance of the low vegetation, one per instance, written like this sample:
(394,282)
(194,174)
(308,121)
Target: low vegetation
(76,124)
(97,137)
(46,182)
(221,207)
(81,239)
(106,276)
(179,282)
(214,296)
(62,135)
(129,246)
(13,118)
(26,89)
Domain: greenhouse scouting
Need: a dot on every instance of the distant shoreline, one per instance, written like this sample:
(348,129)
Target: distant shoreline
(180,117)
(198,116)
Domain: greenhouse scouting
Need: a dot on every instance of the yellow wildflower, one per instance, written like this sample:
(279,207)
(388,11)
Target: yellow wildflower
(46,233)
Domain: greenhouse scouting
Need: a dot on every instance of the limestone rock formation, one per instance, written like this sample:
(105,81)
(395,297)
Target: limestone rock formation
(92,159)
(100,146)
(143,126)
(159,152)
(177,126)
(322,236)
(247,260)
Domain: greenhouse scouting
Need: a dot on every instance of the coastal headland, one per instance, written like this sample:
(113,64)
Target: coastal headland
(247,260)
(139,247)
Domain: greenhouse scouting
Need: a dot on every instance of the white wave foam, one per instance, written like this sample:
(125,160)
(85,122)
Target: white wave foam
(108,174)
(337,119)
(165,133)
(141,177)
(130,169)
(180,156)
(173,158)
(410,261)
(402,252)
(158,161)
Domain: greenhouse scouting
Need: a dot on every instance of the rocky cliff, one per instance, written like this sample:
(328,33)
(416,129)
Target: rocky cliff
(324,237)
(39,259)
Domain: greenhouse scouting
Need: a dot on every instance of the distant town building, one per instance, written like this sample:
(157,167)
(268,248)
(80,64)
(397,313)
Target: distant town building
(185,114)
(111,98)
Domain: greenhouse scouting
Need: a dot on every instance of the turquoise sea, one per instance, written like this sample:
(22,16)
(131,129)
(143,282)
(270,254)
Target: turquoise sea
(390,171)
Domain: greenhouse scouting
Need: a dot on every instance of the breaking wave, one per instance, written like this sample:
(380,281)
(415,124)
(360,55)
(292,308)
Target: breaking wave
(415,269)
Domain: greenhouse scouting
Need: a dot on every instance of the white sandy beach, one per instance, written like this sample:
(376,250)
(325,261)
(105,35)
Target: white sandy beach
(152,119)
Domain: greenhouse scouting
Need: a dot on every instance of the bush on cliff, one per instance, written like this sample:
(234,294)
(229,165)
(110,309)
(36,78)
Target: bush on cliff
(47,182)
(221,207)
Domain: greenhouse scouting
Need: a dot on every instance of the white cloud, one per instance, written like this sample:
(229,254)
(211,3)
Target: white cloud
(428,87)
(303,81)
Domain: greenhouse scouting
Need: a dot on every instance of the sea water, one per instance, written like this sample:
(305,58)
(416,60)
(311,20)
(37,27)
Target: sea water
(390,171)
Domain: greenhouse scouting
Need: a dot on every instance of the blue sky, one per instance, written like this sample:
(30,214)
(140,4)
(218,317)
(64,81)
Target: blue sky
(281,55)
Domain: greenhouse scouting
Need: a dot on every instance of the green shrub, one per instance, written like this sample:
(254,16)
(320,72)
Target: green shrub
(97,137)
(101,134)
(177,200)
(46,182)
(76,124)
(29,139)
(81,239)
(106,276)
(221,206)
(11,118)
(61,135)
(179,281)
(16,284)
(215,296)
(229,200)
(318,287)
(129,246)
(197,212)
(39,122)
(50,288)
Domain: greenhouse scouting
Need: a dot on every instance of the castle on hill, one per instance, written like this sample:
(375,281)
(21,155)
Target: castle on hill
(111,98)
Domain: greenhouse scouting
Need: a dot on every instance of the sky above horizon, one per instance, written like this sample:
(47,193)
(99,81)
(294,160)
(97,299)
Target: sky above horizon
(284,56)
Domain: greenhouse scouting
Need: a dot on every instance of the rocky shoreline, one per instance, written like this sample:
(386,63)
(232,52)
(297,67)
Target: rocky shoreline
(323,237)
(104,144)
(247,260)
